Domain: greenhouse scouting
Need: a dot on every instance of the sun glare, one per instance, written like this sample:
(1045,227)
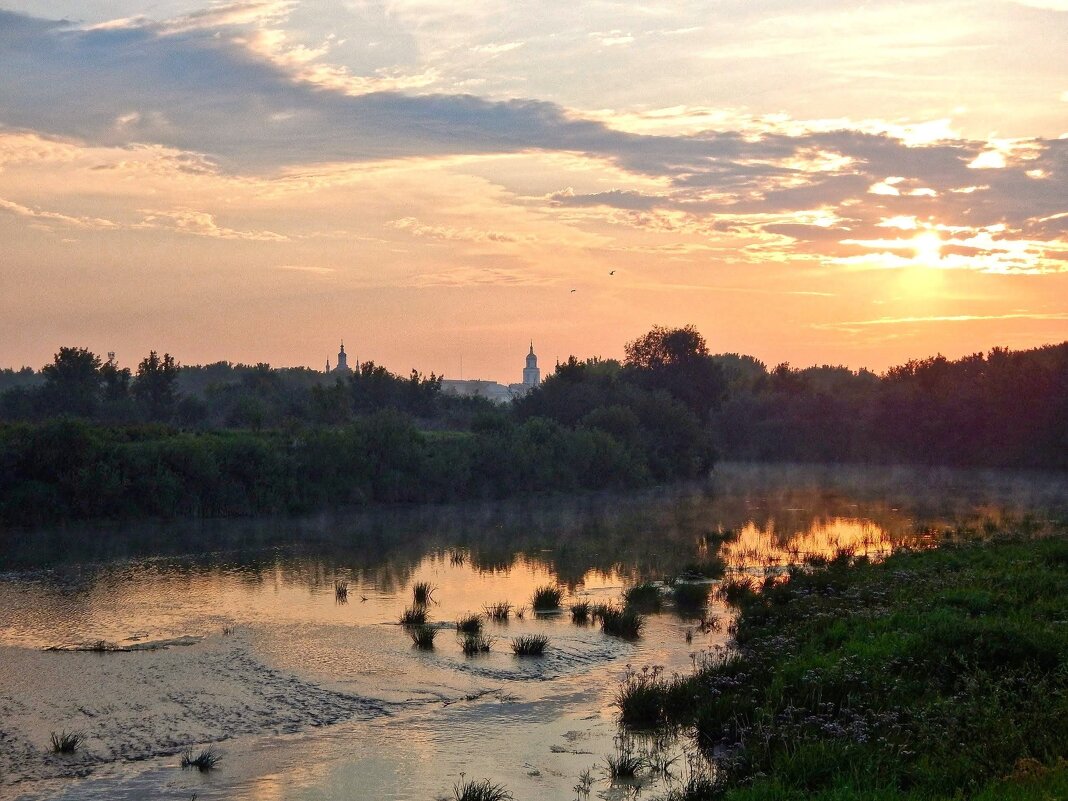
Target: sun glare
(927,248)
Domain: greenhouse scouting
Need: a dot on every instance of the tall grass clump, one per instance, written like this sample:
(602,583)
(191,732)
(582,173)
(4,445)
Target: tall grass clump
(643,697)
(422,592)
(423,636)
(624,763)
(414,616)
(469,624)
(625,623)
(645,596)
(546,598)
(498,611)
(475,643)
(530,645)
(205,760)
(341,590)
(737,590)
(66,742)
(690,598)
(483,790)
(580,612)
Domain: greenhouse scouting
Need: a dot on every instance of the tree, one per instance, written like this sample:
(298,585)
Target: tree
(663,347)
(677,360)
(154,386)
(72,382)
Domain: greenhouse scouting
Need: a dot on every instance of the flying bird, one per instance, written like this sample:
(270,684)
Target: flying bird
(611,272)
(574,290)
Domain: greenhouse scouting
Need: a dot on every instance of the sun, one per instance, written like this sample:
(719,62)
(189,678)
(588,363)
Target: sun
(927,248)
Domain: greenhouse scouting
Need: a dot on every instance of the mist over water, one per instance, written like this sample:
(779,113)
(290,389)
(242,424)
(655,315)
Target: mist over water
(317,698)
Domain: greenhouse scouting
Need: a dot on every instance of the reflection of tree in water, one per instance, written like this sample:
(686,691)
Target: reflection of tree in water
(648,534)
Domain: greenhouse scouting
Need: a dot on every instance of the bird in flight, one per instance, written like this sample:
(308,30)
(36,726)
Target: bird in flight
(574,290)
(611,272)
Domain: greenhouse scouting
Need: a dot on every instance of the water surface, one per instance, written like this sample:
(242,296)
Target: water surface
(230,631)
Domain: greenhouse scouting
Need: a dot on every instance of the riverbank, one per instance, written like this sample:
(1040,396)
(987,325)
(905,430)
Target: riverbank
(935,674)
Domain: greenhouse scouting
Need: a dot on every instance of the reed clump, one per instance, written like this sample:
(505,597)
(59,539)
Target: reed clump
(498,611)
(469,624)
(66,742)
(414,616)
(547,598)
(626,623)
(580,612)
(530,645)
(475,643)
(204,760)
(483,790)
(645,596)
(423,636)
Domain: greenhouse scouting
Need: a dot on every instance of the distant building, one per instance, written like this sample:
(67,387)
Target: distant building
(342,362)
(491,390)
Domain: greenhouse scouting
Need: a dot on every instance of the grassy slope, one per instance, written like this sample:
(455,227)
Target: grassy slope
(933,675)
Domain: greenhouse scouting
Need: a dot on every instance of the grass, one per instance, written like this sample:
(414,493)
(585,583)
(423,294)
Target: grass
(706,568)
(498,611)
(624,763)
(641,698)
(414,616)
(530,645)
(933,674)
(469,624)
(423,636)
(547,597)
(625,623)
(690,598)
(204,760)
(475,643)
(483,790)
(66,742)
(645,596)
(580,612)
(422,591)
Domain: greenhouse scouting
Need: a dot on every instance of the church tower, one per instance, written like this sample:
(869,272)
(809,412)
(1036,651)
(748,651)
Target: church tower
(342,361)
(531,373)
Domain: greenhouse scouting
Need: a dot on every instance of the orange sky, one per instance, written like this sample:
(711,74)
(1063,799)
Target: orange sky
(810,182)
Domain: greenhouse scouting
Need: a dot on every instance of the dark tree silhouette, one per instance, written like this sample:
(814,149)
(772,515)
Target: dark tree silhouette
(72,383)
(154,387)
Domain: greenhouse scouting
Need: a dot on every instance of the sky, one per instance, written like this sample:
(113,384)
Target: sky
(439,183)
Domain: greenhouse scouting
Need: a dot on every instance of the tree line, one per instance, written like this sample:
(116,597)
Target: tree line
(85,438)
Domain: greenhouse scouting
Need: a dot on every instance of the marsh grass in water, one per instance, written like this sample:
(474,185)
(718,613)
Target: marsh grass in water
(66,742)
(645,597)
(690,598)
(580,612)
(469,624)
(546,598)
(625,763)
(530,645)
(932,674)
(625,623)
(204,760)
(475,643)
(483,790)
(422,592)
(423,636)
(498,611)
(414,616)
